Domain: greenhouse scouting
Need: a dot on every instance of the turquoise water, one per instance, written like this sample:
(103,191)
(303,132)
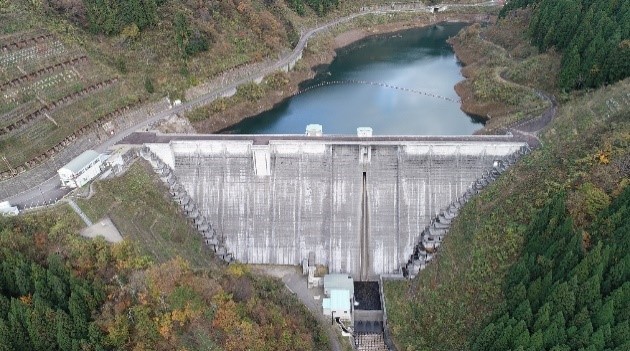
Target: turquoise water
(418,59)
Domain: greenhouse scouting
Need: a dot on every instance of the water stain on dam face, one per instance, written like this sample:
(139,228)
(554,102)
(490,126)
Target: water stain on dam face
(418,59)
(358,204)
(365,218)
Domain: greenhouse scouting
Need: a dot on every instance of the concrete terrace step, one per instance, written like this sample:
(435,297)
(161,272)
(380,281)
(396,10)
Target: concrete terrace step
(81,214)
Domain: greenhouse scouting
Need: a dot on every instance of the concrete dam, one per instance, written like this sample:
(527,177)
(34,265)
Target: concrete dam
(358,203)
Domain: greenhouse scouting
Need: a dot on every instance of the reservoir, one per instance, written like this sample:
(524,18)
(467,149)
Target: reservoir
(397,83)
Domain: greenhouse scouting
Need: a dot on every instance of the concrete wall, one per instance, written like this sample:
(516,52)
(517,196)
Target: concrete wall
(307,195)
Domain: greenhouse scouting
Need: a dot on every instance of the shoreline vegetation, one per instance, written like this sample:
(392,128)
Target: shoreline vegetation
(253,99)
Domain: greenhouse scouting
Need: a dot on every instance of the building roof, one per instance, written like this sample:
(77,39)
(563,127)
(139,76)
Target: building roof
(81,161)
(339,300)
(339,282)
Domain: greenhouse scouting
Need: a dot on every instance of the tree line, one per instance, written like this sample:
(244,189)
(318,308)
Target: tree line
(570,288)
(111,16)
(594,36)
(45,307)
(321,7)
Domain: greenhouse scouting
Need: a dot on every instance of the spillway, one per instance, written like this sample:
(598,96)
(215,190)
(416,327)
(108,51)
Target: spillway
(359,204)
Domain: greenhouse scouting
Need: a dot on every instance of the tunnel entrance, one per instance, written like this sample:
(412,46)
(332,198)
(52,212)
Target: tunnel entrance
(364,243)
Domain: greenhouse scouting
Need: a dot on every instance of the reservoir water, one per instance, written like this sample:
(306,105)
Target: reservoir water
(417,59)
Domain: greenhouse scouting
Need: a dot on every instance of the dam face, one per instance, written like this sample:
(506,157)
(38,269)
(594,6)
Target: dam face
(359,204)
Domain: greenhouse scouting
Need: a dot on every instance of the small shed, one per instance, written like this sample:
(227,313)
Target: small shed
(81,169)
(314,130)
(338,305)
(339,282)
(6,209)
(339,300)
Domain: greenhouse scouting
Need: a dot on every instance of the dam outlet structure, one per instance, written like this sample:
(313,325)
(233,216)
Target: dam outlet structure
(363,205)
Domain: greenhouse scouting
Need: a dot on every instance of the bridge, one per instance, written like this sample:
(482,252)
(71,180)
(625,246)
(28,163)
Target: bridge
(359,203)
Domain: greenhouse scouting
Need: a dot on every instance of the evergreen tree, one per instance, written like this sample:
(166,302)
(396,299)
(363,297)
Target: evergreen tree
(524,313)
(585,31)
(605,316)
(620,333)
(41,326)
(485,340)
(569,76)
(543,317)
(520,336)
(563,299)
(5,304)
(64,329)
(536,341)
(589,291)
(5,337)
(597,340)
(17,326)
(80,314)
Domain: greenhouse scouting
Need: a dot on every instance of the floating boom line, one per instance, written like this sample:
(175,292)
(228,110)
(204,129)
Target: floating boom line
(378,84)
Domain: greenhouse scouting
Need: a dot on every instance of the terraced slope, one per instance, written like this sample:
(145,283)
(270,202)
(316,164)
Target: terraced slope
(50,94)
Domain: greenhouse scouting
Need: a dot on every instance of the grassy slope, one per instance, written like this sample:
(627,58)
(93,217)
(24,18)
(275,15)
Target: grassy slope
(503,72)
(140,206)
(450,300)
(237,305)
(39,135)
(453,296)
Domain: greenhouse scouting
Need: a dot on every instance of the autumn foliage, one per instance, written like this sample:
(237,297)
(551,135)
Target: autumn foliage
(80,294)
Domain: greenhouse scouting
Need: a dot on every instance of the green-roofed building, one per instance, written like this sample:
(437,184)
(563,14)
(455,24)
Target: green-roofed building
(81,169)
(339,300)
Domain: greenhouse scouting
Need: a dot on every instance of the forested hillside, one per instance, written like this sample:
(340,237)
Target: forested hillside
(319,6)
(594,36)
(112,16)
(59,291)
(43,306)
(570,289)
(585,154)
(164,47)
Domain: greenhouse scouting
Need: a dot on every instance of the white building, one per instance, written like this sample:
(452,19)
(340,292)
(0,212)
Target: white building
(338,305)
(81,169)
(6,209)
(339,300)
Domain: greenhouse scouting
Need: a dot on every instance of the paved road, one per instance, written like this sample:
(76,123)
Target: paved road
(296,282)
(50,191)
(139,138)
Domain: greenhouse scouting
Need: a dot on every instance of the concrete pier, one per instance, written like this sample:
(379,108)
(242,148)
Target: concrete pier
(359,204)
